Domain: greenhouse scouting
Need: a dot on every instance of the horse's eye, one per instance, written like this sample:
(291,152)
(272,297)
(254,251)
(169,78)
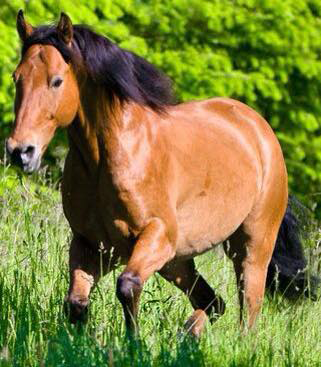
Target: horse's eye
(56,82)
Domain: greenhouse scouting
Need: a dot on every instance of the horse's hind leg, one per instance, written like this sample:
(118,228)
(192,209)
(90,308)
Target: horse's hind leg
(250,249)
(202,297)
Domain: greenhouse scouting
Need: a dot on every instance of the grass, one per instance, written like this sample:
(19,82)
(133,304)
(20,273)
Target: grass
(34,240)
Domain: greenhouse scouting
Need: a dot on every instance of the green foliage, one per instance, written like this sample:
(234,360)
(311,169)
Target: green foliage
(265,53)
(34,280)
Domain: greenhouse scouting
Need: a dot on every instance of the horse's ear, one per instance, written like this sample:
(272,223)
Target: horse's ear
(24,29)
(65,29)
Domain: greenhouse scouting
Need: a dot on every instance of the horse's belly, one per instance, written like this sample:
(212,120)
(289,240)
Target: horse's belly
(207,221)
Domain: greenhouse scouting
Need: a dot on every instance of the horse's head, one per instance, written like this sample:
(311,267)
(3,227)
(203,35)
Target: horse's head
(47,94)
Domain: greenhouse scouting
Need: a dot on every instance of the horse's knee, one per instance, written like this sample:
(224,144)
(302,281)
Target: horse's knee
(129,287)
(76,308)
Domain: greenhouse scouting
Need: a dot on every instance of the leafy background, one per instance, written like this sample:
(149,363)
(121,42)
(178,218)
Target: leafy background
(265,53)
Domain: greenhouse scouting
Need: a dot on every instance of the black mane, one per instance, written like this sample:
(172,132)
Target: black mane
(123,74)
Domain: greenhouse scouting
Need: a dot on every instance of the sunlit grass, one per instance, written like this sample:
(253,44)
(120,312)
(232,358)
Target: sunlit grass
(34,240)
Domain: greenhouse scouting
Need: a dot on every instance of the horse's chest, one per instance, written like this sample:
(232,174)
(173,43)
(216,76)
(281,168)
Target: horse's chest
(93,212)
(81,207)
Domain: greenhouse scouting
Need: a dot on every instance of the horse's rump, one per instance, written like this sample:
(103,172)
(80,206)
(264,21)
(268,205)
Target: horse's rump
(220,150)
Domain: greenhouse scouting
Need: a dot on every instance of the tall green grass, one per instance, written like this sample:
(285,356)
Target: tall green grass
(34,240)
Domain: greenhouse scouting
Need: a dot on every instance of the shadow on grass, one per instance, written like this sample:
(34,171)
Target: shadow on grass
(74,347)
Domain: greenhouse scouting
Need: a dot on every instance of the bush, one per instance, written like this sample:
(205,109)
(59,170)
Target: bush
(264,53)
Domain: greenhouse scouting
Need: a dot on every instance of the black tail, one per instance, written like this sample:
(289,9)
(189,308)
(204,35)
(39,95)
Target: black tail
(287,272)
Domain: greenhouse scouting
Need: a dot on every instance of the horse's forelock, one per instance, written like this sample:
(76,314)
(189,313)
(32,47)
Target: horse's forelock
(48,35)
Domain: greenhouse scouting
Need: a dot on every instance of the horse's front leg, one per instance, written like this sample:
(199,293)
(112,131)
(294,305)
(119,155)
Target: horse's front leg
(86,264)
(152,250)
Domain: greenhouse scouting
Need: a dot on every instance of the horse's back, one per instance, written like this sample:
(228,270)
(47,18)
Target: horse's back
(225,156)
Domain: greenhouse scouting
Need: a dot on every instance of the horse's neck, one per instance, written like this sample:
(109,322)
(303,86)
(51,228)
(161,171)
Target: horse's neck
(96,130)
(83,141)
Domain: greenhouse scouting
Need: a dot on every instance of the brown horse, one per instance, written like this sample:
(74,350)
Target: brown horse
(151,182)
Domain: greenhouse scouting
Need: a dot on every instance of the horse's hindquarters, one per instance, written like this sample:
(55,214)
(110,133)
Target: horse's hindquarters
(218,175)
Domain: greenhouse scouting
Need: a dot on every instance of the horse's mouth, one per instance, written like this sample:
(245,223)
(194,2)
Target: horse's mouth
(25,155)
(28,167)
(31,166)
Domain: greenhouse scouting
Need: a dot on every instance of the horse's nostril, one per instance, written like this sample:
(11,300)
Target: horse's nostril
(21,155)
(16,157)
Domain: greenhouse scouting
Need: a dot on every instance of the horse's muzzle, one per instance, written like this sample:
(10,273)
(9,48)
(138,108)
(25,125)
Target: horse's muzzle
(23,155)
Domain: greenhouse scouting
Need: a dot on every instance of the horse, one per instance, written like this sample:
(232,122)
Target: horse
(150,181)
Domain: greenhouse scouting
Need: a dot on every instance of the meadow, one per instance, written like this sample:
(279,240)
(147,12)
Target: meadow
(34,241)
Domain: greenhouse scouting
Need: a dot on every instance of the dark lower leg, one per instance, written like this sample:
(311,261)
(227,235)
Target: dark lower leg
(235,249)
(202,297)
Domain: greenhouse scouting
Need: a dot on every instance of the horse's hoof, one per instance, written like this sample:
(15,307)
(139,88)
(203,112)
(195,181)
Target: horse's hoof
(196,323)
(128,286)
(76,309)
